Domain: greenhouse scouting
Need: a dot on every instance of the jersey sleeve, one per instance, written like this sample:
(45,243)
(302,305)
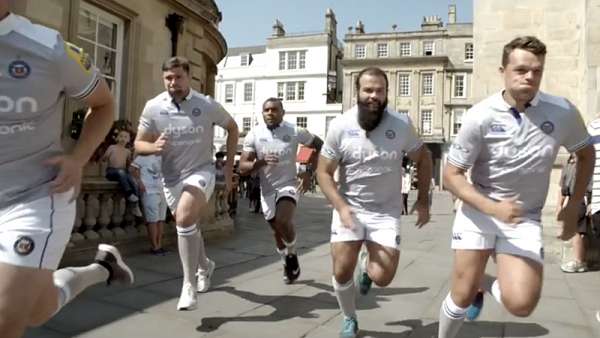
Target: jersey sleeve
(147,122)
(576,134)
(331,146)
(219,115)
(77,74)
(249,145)
(413,142)
(466,147)
(304,136)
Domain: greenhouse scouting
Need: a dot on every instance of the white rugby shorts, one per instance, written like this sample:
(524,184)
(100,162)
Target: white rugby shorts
(474,230)
(382,229)
(201,179)
(269,201)
(35,234)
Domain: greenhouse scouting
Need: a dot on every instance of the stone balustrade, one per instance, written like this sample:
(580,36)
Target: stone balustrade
(104,216)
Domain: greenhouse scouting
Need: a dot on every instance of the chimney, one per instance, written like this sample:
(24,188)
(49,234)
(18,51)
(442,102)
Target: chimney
(278,30)
(330,22)
(360,28)
(431,23)
(451,14)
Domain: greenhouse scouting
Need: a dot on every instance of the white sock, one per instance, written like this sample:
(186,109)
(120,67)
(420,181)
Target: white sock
(282,253)
(202,258)
(495,291)
(291,247)
(72,281)
(346,296)
(189,245)
(452,317)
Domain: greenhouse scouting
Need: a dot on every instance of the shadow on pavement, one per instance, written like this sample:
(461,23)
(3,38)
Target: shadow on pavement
(479,329)
(291,306)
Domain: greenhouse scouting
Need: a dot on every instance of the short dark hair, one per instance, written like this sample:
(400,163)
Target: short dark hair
(219,155)
(528,43)
(373,71)
(176,62)
(273,99)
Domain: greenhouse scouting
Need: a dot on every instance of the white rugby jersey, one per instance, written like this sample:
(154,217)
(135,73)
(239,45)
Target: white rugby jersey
(370,164)
(189,128)
(511,158)
(37,70)
(281,141)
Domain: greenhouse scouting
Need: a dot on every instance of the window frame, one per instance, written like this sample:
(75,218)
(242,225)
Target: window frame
(422,124)
(423,92)
(386,49)
(454,131)
(432,47)
(408,88)
(409,48)
(305,123)
(363,49)
(455,77)
(229,97)
(251,97)
(470,52)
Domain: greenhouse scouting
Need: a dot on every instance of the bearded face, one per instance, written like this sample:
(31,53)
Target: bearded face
(371,100)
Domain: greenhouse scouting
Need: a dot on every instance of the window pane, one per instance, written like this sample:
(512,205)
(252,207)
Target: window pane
(468,51)
(382,50)
(428,84)
(246,123)
(87,25)
(229,93)
(404,84)
(107,34)
(247,92)
(292,60)
(106,61)
(89,48)
(280,87)
(427,47)
(426,121)
(244,60)
(405,49)
(281,60)
(300,90)
(457,123)
(302,121)
(359,51)
(459,85)
(302,60)
(290,91)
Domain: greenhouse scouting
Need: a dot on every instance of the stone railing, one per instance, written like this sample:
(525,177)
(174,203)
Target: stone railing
(104,216)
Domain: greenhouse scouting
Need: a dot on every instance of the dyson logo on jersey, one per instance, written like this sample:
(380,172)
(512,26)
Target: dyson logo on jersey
(20,105)
(512,152)
(184,130)
(17,128)
(371,154)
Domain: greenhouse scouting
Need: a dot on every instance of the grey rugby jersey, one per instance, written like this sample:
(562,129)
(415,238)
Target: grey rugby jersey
(282,141)
(370,167)
(189,129)
(511,158)
(37,70)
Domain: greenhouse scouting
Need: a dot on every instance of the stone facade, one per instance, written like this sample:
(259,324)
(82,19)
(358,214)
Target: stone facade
(129,40)
(571,32)
(429,73)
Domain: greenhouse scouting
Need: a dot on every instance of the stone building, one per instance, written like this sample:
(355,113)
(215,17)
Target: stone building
(429,71)
(129,40)
(299,68)
(571,32)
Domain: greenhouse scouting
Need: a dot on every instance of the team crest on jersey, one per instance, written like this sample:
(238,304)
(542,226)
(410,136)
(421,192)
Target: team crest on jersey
(547,127)
(497,128)
(262,139)
(202,183)
(460,148)
(286,138)
(19,69)
(24,246)
(353,133)
(196,112)
(390,134)
(78,55)
(163,112)
(398,239)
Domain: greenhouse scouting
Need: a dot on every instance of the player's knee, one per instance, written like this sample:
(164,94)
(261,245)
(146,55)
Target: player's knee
(522,307)
(380,276)
(382,281)
(343,275)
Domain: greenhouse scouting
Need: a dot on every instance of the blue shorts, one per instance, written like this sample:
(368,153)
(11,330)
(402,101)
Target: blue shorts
(155,207)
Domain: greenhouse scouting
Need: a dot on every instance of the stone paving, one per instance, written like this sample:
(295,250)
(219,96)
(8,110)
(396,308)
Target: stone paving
(249,299)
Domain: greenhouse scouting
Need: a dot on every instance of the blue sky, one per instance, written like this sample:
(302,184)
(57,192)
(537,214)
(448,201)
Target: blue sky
(249,22)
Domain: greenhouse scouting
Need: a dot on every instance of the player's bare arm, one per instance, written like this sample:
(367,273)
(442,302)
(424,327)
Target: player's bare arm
(325,171)
(422,159)
(96,125)
(231,144)
(508,211)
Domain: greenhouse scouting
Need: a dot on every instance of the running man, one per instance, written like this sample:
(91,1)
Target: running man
(509,141)
(270,149)
(178,125)
(368,143)
(40,182)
